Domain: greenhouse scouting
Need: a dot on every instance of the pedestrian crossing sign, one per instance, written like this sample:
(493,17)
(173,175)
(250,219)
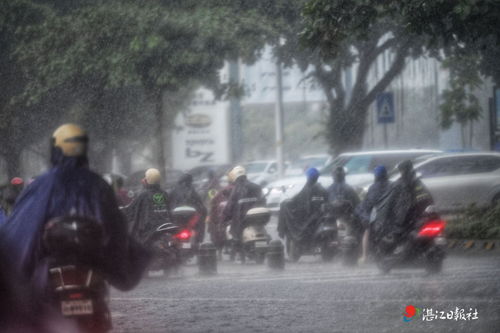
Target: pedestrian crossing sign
(385,108)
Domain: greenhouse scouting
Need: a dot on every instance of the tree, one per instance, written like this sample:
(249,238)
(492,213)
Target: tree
(459,102)
(157,46)
(347,34)
(20,125)
(465,27)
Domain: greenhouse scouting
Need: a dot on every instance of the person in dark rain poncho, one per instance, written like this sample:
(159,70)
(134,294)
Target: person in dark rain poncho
(244,196)
(376,191)
(150,209)
(300,215)
(70,188)
(9,197)
(216,224)
(404,203)
(340,190)
(184,194)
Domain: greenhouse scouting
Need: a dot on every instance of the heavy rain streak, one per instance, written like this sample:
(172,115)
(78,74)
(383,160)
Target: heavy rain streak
(249,166)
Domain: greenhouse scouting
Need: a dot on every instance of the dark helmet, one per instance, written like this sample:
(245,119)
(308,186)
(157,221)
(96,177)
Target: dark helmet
(338,174)
(406,169)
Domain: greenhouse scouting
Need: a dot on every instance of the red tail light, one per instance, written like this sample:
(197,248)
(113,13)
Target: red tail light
(184,235)
(432,228)
(76,296)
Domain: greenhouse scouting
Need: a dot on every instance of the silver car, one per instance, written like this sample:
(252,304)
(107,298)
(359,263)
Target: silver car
(457,180)
(359,167)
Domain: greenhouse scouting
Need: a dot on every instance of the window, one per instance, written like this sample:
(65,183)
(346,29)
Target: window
(359,164)
(459,165)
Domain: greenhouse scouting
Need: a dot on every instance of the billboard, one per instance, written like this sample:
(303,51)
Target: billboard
(201,135)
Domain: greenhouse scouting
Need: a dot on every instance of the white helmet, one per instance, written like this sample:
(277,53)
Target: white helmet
(237,172)
(152,176)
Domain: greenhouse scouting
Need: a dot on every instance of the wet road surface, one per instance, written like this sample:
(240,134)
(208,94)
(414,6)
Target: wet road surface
(312,296)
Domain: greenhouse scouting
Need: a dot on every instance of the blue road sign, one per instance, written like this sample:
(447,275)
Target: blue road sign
(385,108)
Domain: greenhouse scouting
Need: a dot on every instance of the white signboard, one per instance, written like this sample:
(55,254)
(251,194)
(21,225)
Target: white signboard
(202,133)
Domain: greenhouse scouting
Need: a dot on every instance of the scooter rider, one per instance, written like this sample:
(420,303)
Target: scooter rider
(215,221)
(150,209)
(70,188)
(299,216)
(184,194)
(244,195)
(376,191)
(404,203)
(340,190)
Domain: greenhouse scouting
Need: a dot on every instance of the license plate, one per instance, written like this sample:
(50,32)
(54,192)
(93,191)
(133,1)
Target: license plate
(260,244)
(342,233)
(77,307)
(440,241)
(186,245)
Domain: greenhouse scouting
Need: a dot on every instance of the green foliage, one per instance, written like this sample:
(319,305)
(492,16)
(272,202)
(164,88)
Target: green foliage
(476,223)
(461,27)
(459,102)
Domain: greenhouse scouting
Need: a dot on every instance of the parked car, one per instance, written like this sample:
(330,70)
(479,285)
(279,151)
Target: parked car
(458,180)
(359,167)
(304,162)
(262,172)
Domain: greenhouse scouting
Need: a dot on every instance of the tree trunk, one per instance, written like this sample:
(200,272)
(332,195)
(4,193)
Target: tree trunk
(125,159)
(159,133)
(471,133)
(345,131)
(462,133)
(13,161)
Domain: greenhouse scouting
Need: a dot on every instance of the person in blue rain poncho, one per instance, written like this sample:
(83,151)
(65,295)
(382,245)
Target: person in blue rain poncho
(70,188)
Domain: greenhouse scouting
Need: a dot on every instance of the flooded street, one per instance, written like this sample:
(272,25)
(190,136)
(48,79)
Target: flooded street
(311,296)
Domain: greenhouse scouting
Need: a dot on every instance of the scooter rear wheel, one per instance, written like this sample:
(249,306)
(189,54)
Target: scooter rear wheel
(327,253)
(293,250)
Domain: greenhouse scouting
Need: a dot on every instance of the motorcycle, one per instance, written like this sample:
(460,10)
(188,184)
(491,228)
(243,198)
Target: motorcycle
(77,289)
(324,239)
(255,239)
(349,231)
(186,218)
(423,244)
(166,256)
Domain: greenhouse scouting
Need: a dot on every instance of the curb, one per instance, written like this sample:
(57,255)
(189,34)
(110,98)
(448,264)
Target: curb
(470,245)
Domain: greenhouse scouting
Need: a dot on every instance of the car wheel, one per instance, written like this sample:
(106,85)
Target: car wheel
(327,253)
(259,258)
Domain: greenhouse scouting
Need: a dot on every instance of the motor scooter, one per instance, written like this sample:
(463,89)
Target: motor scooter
(187,219)
(166,255)
(349,231)
(322,241)
(422,244)
(78,290)
(255,239)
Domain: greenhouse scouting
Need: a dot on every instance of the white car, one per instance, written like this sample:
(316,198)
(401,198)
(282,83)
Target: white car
(359,166)
(458,180)
(262,172)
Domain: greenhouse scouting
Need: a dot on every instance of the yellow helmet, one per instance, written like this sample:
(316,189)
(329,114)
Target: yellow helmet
(71,139)
(152,176)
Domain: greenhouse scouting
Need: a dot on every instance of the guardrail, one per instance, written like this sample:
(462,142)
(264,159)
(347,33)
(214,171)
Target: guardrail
(468,245)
